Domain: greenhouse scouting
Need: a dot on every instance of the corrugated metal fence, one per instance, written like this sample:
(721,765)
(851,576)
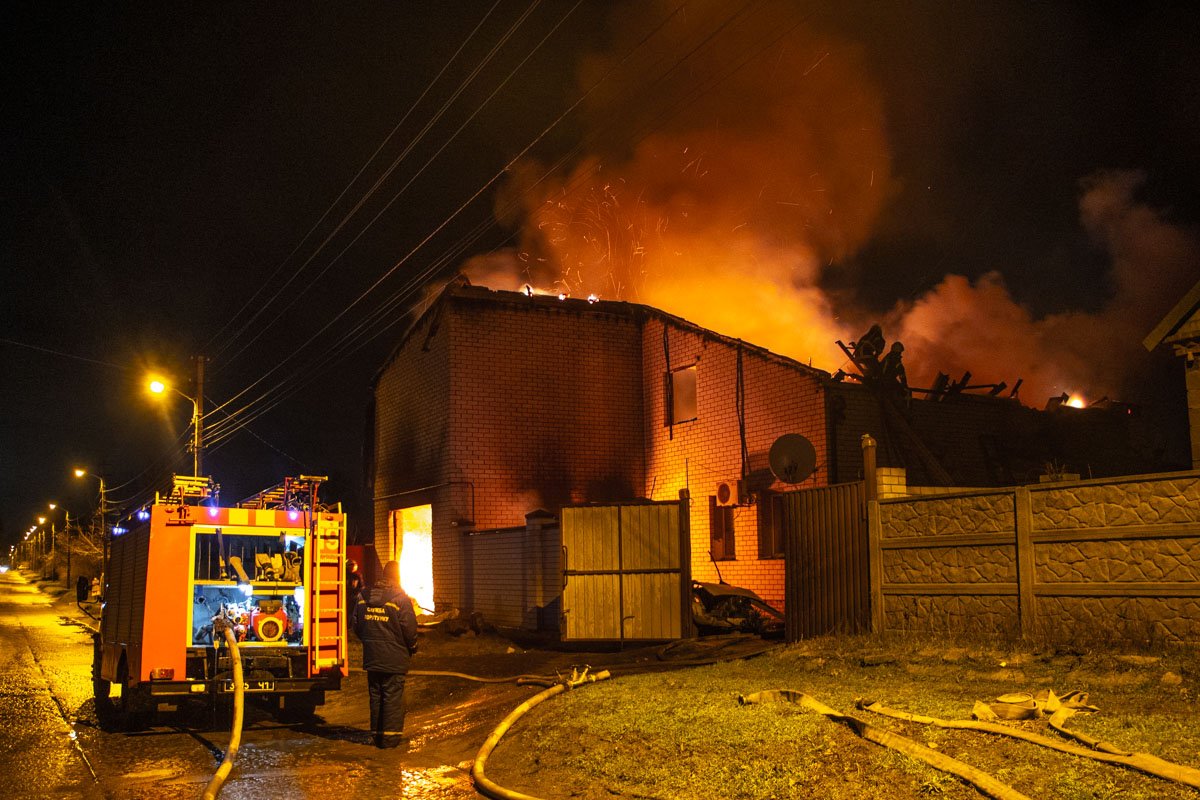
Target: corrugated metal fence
(826,583)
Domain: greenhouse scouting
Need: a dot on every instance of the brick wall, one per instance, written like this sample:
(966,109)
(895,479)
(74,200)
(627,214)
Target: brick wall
(412,427)
(780,398)
(545,405)
(525,403)
(521,405)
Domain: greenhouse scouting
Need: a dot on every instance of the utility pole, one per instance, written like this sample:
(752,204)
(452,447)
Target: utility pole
(67,531)
(198,419)
(103,536)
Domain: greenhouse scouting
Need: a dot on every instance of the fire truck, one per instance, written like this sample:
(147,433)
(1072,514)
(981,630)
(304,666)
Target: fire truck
(272,567)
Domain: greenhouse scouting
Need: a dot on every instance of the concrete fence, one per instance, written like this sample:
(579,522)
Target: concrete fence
(1098,560)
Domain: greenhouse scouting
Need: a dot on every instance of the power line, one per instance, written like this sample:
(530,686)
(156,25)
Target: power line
(260,405)
(428,87)
(440,227)
(419,279)
(73,356)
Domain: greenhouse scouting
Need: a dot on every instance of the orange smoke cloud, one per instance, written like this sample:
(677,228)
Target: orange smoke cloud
(725,214)
(960,326)
(730,210)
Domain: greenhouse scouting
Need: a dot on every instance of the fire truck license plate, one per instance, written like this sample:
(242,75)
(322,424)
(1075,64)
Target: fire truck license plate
(247,686)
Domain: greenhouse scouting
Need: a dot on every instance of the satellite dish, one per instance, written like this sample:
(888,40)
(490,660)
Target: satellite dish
(792,458)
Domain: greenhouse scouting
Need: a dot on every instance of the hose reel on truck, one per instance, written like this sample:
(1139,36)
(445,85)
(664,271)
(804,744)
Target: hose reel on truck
(181,562)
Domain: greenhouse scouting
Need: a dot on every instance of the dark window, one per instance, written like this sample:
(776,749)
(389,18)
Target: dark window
(770,525)
(720,531)
(681,395)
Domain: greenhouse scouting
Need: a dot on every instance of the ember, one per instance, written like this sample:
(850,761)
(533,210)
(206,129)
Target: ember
(733,214)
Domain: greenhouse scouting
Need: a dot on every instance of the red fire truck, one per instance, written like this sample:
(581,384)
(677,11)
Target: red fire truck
(273,566)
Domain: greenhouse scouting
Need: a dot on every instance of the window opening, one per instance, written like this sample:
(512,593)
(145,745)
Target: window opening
(681,396)
(720,529)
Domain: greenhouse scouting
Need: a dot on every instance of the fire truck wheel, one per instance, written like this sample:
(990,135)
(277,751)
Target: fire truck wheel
(137,710)
(105,708)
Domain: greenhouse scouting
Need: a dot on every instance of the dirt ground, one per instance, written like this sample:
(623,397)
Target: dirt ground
(666,727)
(664,730)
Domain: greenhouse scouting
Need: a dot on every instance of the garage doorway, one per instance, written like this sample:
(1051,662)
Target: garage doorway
(412,546)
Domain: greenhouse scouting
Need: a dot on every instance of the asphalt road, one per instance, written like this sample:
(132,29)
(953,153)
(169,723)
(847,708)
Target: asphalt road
(52,747)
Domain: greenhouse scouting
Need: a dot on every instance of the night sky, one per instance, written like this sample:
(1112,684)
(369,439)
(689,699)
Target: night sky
(167,178)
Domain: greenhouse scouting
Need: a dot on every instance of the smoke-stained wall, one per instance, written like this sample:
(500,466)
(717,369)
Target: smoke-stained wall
(497,404)
(777,396)
(980,440)
(412,426)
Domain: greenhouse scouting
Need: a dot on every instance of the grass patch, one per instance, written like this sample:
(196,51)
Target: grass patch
(682,734)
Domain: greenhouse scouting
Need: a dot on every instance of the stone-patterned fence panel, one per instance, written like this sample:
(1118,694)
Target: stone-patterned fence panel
(1112,560)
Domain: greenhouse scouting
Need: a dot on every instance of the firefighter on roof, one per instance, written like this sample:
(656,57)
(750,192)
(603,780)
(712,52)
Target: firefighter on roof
(385,622)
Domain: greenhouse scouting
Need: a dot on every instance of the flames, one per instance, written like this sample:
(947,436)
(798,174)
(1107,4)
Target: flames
(732,213)
(415,528)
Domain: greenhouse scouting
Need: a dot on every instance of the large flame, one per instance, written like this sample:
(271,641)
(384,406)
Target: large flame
(416,553)
(731,211)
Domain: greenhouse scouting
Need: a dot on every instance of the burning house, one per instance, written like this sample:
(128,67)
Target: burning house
(498,410)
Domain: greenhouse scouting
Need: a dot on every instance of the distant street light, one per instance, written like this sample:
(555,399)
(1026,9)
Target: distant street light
(157,386)
(54,538)
(102,511)
(42,543)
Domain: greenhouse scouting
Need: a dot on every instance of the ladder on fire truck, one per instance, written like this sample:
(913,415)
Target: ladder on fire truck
(294,494)
(326,578)
(328,636)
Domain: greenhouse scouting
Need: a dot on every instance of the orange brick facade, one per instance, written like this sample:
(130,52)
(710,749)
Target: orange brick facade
(496,404)
(779,397)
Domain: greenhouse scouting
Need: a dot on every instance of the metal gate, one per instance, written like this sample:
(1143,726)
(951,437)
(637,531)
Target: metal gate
(626,574)
(826,582)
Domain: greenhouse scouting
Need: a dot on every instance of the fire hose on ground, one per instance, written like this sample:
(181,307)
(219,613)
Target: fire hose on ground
(235,734)
(1060,712)
(489,787)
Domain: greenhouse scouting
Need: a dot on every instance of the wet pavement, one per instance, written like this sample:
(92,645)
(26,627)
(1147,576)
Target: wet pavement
(52,746)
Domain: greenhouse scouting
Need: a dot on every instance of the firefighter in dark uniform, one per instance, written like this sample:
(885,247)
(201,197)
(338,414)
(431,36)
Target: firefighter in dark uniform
(387,625)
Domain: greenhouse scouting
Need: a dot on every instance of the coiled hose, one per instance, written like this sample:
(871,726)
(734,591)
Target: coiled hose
(494,790)
(235,735)
(487,787)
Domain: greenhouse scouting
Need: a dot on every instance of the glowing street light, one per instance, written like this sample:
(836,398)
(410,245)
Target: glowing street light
(158,386)
(102,510)
(66,530)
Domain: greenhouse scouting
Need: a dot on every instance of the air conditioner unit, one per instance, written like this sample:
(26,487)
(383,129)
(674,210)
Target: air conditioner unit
(730,493)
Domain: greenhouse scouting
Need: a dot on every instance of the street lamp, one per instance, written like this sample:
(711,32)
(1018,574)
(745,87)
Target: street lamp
(157,386)
(29,545)
(54,538)
(48,554)
(102,510)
